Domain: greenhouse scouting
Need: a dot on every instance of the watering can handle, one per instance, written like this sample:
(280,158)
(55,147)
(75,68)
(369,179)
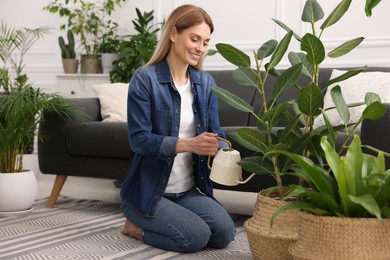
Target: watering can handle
(222,139)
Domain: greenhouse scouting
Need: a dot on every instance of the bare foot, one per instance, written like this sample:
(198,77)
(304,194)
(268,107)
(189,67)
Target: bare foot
(132,230)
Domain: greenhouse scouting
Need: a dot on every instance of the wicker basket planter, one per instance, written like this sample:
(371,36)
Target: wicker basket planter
(341,238)
(266,242)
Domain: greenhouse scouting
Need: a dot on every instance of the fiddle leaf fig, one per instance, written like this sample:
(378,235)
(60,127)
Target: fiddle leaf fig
(312,12)
(336,14)
(314,48)
(341,105)
(267,49)
(310,100)
(345,48)
(233,55)
(246,77)
(232,99)
(280,51)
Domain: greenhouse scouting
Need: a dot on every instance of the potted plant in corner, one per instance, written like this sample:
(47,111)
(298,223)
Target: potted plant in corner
(87,19)
(21,107)
(68,53)
(349,203)
(299,135)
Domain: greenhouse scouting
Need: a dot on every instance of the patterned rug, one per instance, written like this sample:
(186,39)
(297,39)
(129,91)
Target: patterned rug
(85,229)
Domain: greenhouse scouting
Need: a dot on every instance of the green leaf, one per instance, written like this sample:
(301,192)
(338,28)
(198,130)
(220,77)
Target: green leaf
(266,49)
(314,48)
(253,137)
(246,77)
(370,4)
(280,51)
(317,177)
(232,99)
(287,29)
(336,14)
(256,164)
(374,111)
(345,183)
(310,100)
(341,105)
(233,55)
(287,79)
(346,75)
(250,146)
(345,48)
(273,115)
(371,97)
(312,12)
(332,158)
(211,52)
(368,203)
(300,57)
(354,158)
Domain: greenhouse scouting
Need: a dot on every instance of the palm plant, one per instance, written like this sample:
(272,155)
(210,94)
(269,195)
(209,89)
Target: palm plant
(22,105)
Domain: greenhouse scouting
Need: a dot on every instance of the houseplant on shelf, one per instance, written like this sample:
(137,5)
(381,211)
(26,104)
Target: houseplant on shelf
(87,19)
(108,46)
(135,50)
(21,107)
(68,53)
(299,135)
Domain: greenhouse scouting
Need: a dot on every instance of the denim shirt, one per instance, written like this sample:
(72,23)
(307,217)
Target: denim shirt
(153,128)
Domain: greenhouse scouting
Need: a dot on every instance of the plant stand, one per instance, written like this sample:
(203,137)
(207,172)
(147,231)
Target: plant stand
(273,242)
(324,237)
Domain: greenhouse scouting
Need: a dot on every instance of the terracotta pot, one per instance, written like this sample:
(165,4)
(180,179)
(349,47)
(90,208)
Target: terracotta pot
(91,64)
(268,242)
(324,237)
(70,65)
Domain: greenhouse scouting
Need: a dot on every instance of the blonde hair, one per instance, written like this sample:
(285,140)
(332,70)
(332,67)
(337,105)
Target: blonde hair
(183,17)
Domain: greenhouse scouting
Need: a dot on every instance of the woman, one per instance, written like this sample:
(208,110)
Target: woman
(173,125)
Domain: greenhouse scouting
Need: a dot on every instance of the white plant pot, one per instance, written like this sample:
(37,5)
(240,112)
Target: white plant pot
(107,60)
(18,191)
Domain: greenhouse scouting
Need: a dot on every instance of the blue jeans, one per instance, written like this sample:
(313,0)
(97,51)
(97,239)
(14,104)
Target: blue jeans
(185,222)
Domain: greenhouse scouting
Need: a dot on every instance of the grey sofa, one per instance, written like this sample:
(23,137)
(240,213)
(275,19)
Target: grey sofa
(100,149)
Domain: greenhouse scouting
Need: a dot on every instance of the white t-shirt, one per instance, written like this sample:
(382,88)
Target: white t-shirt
(182,178)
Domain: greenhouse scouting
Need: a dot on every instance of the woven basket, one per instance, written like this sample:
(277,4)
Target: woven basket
(266,242)
(341,238)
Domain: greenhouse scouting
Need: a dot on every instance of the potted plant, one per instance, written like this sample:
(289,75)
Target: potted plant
(300,135)
(348,203)
(108,46)
(135,50)
(87,19)
(68,53)
(21,107)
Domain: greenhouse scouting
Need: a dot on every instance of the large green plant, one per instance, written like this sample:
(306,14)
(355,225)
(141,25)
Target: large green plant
(87,19)
(20,113)
(21,105)
(299,135)
(135,50)
(354,185)
(14,44)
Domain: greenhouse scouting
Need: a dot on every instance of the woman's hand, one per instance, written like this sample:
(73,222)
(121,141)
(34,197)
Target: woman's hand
(203,144)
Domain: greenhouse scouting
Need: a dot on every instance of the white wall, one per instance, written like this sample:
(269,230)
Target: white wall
(246,24)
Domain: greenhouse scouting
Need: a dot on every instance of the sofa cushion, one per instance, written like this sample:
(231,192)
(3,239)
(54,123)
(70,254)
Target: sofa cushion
(354,90)
(113,101)
(99,139)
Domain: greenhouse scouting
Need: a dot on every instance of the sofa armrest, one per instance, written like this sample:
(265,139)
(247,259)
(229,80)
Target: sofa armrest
(53,131)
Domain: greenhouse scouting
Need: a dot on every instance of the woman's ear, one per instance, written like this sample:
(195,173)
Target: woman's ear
(173,34)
